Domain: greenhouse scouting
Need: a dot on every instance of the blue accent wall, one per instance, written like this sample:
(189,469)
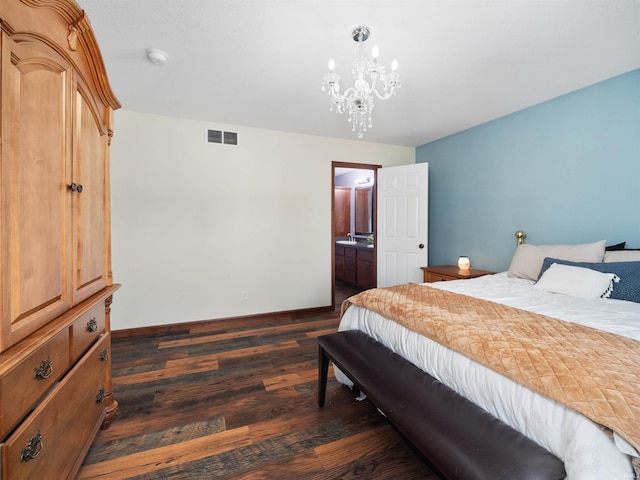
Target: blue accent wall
(564,171)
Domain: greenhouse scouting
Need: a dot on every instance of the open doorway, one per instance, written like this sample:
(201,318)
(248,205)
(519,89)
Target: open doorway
(353,229)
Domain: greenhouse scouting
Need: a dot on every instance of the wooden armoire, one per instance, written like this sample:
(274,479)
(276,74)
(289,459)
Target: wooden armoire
(56,286)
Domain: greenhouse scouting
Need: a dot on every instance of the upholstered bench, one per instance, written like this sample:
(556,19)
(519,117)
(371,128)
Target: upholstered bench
(459,438)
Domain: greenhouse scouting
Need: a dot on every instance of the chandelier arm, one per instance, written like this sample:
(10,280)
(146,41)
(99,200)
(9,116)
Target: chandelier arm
(385,96)
(342,97)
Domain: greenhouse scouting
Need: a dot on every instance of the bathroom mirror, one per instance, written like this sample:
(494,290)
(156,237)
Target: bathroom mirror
(364,210)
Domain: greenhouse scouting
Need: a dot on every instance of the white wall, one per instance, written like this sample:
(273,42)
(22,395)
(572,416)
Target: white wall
(194,223)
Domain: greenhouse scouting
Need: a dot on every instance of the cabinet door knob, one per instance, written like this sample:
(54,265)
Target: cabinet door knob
(421,245)
(80,187)
(73,187)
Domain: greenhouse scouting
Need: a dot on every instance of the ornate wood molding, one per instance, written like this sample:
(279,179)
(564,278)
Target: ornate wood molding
(74,32)
(111,405)
(81,39)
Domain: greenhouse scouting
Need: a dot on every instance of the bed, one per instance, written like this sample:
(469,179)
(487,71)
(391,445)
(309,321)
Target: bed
(547,281)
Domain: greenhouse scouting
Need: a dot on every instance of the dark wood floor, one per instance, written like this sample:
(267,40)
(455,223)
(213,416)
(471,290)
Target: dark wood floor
(237,400)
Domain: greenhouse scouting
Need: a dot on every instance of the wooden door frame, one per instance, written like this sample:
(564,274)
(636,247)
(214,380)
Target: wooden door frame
(355,166)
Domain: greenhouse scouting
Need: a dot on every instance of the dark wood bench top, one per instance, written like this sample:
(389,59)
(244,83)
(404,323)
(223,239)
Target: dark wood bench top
(461,439)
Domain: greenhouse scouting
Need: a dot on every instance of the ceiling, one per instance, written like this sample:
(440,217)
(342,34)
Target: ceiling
(259,63)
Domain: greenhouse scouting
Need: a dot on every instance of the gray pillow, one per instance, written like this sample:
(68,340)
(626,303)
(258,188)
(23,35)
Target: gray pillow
(527,261)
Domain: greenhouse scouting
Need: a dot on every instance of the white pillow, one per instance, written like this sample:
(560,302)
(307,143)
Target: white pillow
(527,260)
(576,281)
(622,256)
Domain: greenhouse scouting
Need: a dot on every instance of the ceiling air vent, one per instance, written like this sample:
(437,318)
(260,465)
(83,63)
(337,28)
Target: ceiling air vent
(214,136)
(230,138)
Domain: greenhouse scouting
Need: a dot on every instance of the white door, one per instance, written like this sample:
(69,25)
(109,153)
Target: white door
(403,193)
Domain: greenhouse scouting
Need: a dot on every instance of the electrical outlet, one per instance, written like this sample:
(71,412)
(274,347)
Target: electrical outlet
(244,295)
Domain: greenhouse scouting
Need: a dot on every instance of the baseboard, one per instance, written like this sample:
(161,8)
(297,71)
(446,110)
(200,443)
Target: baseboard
(186,327)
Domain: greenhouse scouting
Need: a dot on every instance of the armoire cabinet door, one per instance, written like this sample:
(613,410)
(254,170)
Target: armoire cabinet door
(35,204)
(90,237)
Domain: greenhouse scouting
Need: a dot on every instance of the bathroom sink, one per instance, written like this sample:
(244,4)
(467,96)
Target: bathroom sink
(346,242)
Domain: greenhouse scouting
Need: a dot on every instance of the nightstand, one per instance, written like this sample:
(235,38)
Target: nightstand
(443,273)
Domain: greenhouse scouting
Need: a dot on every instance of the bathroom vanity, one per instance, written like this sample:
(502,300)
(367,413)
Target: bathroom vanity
(355,263)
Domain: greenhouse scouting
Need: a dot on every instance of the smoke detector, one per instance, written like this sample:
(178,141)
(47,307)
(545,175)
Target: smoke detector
(156,56)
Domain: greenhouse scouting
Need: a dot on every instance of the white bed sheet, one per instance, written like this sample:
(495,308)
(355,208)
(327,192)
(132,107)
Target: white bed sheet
(587,452)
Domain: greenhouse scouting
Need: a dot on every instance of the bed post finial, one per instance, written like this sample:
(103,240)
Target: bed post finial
(520,235)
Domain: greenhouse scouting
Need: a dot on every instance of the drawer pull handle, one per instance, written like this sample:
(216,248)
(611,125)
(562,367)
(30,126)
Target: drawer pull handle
(104,355)
(92,325)
(44,371)
(34,447)
(100,396)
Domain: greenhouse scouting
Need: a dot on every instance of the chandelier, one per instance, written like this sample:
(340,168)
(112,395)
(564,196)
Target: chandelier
(368,76)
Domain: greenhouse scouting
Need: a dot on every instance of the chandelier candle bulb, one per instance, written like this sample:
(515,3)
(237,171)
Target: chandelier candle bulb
(332,65)
(464,263)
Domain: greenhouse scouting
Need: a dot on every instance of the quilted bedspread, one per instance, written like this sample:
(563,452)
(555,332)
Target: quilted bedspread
(593,372)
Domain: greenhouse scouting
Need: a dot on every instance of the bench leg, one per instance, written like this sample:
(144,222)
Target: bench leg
(323,369)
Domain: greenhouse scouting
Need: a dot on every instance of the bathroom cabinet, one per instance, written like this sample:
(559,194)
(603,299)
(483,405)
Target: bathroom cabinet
(355,264)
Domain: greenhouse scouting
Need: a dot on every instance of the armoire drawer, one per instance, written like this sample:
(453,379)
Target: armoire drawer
(86,329)
(47,444)
(23,385)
